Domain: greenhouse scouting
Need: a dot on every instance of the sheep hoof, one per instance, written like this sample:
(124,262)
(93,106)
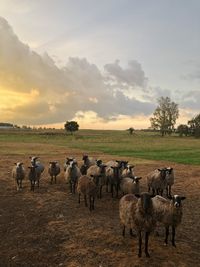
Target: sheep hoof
(147,255)
(139,254)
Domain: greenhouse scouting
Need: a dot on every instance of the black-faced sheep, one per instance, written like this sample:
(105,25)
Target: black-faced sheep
(169,213)
(54,170)
(137,212)
(87,187)
(113,176)
(33,177)
(18,173)
(98,172)
(156,180)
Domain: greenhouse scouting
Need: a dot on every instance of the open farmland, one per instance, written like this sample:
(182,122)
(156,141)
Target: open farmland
(49,227)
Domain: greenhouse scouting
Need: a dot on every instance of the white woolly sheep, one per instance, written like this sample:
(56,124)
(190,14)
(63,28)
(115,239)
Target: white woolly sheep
(156,180)
(169,213)
(138,214)
(130,185)
(18,173)
(72,175)
(54,170)
(67,162)
(87,187)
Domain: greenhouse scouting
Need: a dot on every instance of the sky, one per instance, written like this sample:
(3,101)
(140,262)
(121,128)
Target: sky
(101,63)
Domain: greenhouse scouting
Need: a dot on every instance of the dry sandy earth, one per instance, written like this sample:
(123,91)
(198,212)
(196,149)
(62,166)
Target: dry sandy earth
(49,227)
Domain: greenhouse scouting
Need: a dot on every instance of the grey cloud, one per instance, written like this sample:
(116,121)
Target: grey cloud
(79,86)
(132,75)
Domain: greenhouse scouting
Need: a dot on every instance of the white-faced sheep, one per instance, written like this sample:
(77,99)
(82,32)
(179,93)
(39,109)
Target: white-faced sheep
(130,185)
(54,170)
(137,212)
(169,180)
(87,187)
(98,172)
(18,173)
(72,175)
(156,180)
(128,171)
(169,213)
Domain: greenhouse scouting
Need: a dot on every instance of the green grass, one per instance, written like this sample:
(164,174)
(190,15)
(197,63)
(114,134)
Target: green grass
(142,145)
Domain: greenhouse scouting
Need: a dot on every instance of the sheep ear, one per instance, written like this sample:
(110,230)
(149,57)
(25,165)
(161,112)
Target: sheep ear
(15,163)
(182,198)
(159,170)
(137,195)
(139,178)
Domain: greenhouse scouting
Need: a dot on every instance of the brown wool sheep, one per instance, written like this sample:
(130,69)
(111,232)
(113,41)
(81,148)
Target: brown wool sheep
(156,180)
(87,187)
(130,185)
(137,212)
(169,213)
(54,170)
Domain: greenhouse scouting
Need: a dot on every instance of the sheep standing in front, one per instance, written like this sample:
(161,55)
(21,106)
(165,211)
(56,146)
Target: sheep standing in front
(98,172)
(54,170)
(18,173)
(72,175)
(156,180)
(113,176)
(87,187)
(67,162)
(130,185)
(137,212)
(169,213)
(169,180)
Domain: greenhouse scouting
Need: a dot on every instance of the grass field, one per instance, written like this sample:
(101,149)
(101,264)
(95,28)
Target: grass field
(141,145)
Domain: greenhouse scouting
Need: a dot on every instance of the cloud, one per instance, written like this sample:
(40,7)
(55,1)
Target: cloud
(132,75)
(40,92)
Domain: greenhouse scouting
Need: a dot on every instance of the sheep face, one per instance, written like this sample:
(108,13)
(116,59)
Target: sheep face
(163,173)
(146,202)
(176,199)
(85,157)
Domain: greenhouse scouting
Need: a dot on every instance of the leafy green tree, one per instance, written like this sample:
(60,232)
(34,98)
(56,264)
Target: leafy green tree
(195,126)
(131,130)
(183,129)
(71,126)
(164,116)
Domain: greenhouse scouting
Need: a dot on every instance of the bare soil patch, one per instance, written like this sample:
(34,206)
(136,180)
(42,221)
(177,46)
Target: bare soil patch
(49,227)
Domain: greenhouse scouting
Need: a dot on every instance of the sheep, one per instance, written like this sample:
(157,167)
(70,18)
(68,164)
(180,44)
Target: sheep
(54,170)
(137,212)
(18,173)
(169,213)
(130,185)
(113,176)
(67,162)
(39,170)
(87,162)
(121,164)
(169,180)
(128,171)
(156,180)
(98,172)
(33,177)
(72,175)
(87,187)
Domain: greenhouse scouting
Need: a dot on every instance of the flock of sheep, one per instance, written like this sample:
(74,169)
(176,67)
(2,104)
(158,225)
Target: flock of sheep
(141,212)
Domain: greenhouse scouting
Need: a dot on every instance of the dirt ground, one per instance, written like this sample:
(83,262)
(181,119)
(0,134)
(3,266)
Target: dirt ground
(49,228)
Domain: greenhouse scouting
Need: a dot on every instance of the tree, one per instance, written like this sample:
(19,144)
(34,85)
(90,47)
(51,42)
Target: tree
(183,129)
(131,130)
(71,126)
(164,116)
(195,126)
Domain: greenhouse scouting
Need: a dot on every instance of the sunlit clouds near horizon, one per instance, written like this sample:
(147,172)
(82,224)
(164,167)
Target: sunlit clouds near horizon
(37,90)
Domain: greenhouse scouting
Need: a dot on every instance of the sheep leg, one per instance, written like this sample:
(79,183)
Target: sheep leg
(85,198)
(100,191)
(173,236)
(55,179)
(169,191)
(112,190)
(146,244)
(79,198)
(51,179)
(123,230)
(20,184)
(140,244)
(166,234)
(161,192)
(153,192)
(38,181)
(131,232)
